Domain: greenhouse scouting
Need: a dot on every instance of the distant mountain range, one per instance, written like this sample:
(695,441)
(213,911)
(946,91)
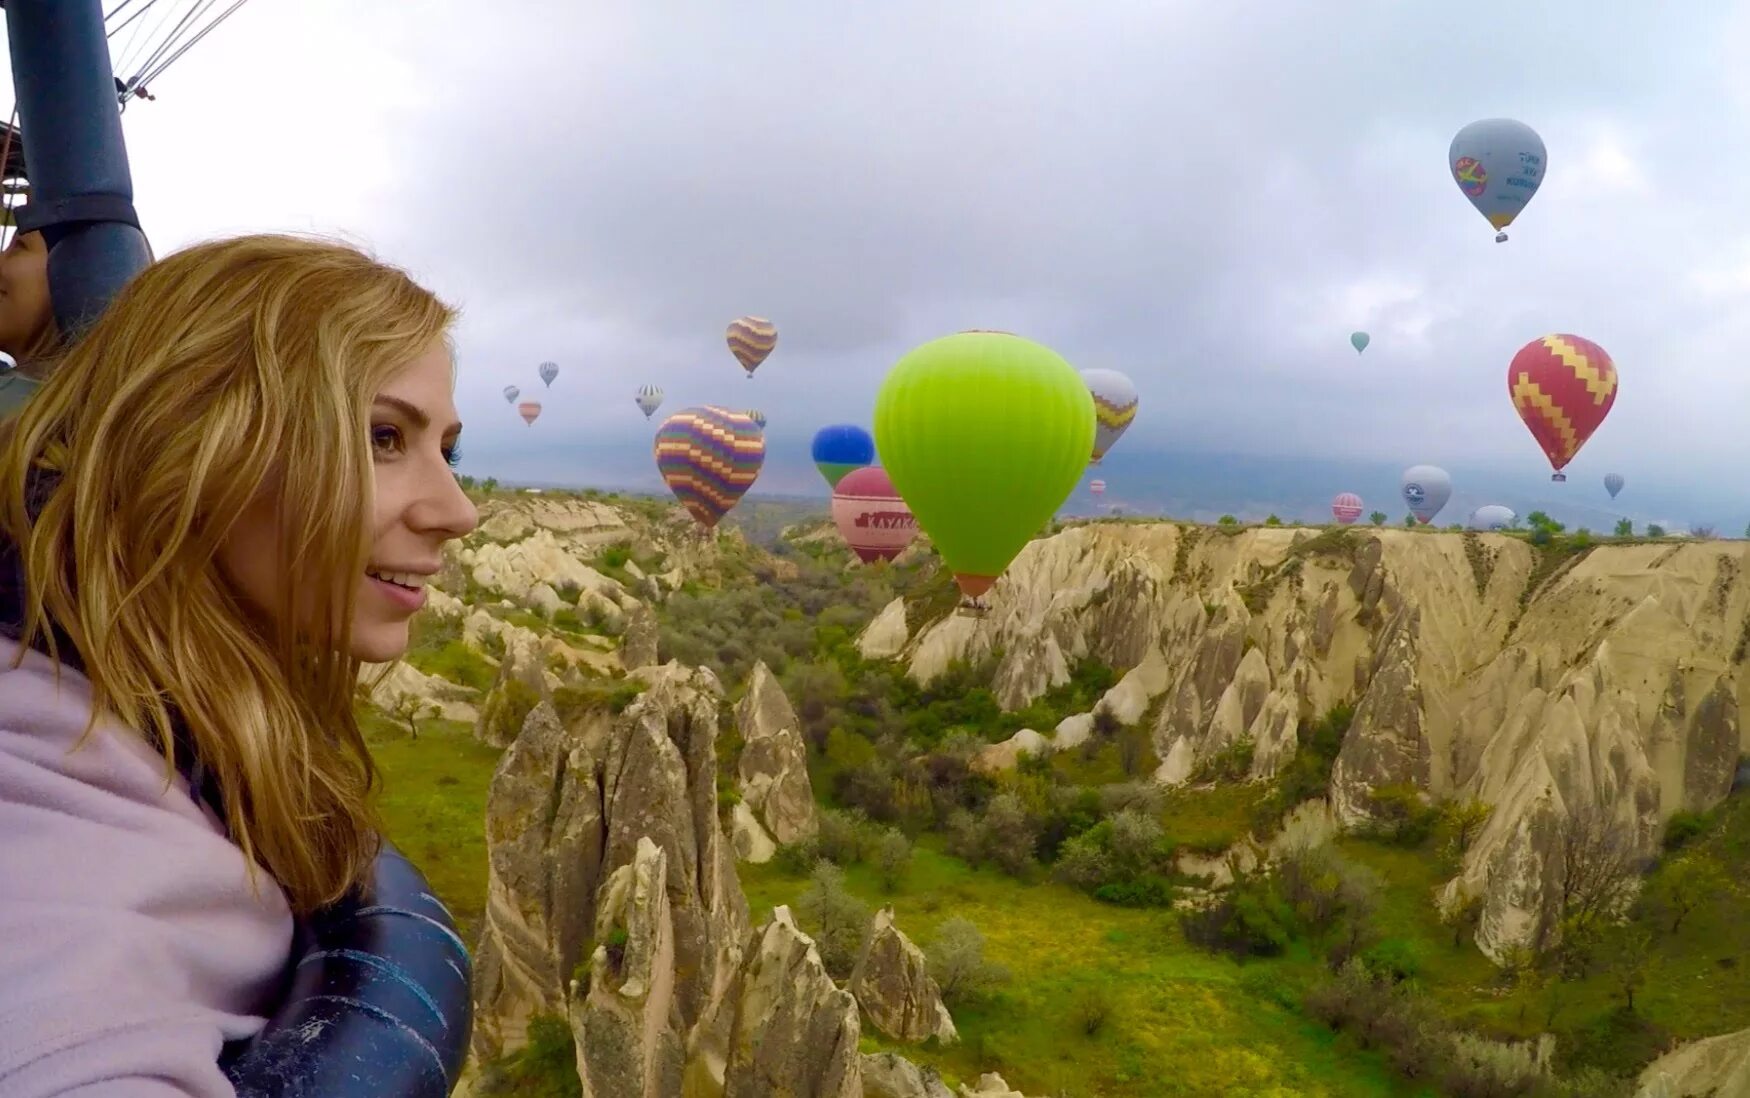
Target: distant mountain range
(1201,486)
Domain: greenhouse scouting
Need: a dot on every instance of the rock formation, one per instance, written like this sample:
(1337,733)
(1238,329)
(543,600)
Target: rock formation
(1715,1067)
(772,774)
(889,1075)
(892,984)
(568,807)
(1601,680)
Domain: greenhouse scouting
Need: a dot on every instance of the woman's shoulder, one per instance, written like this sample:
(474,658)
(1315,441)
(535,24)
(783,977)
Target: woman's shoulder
(130,919)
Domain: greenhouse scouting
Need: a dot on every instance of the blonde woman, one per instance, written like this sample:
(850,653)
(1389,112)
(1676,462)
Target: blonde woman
(228,495)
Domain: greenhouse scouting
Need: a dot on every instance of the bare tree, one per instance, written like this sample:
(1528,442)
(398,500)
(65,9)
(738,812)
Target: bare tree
(1595,871)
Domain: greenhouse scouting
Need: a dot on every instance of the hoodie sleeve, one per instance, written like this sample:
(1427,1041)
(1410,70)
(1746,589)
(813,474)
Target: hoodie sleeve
(135,944)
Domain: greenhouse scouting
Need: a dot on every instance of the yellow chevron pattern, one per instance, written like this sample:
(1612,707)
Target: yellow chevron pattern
(1526,394)
(1600,383)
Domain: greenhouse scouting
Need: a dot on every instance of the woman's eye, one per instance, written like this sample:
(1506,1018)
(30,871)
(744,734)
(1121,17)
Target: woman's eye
(453,455)
(386,439)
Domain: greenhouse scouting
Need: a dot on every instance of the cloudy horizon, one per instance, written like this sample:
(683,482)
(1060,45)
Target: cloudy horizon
(1205,200)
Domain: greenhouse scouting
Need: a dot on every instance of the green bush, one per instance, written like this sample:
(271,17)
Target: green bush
(837,920)
(1684,827)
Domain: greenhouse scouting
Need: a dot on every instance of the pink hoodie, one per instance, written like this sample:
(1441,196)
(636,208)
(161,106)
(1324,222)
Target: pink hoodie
(131,945)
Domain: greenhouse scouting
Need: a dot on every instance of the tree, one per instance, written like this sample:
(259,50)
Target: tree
(837,919)
(956,961)
(1626,529)
(1703,530)
(1009,835)
(1133,745)
(1594,877)
(1378,518)
(893,858)
(1410,521)
(411,708)
(1227,520)
(1538,520)
(1465,914)
(1629,950)
(1686,882)
(1460,823)
(1272,521)
(1654,530)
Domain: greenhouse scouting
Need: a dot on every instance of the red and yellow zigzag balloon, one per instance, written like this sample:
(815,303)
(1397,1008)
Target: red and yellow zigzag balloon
(1563,387)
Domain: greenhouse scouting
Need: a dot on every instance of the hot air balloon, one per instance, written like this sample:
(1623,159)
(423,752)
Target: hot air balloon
(709,457)
(1498,164)
(1360,340)
(1492,517)
(1114,407)
(871,517)
(549,371)
(1097,487)
(1613,483)
(1426,489)
(649,399)
(1346,507)
(758,417)
(511,392)
(840,448)
(985,435)
(751,339)
(530,410)
(1563,387)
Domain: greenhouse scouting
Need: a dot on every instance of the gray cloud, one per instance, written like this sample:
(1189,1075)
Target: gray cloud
(1209,197)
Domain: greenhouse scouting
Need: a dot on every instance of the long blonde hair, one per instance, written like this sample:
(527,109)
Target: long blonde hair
(229,370)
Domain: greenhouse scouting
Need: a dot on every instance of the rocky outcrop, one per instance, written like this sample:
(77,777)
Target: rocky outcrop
(892,983)
(625,1020)
(1716,1067)
(403,691)
(890,1075)
(1604,680)
(885,636)
(772,773)
(571,805)
(638,643)
(788,1029)
(1006,755)
(991,1085)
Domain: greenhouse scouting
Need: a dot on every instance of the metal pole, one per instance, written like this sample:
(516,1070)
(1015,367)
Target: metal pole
(72,130)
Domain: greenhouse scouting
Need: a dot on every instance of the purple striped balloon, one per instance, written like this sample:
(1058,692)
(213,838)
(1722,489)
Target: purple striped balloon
(709,457)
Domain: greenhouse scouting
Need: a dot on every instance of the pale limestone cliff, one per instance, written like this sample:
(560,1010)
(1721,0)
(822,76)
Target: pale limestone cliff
(772,773)
(1475,666)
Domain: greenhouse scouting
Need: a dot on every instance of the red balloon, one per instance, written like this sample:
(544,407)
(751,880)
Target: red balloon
(1563,387)
(871,517)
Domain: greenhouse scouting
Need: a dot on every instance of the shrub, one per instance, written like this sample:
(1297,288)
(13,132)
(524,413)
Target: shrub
(838,920)
(1683,827)
(893,858)
(798,858)
(1231,764)
(1093,1007)
(956,961)
(1401,814)
(845,837)
(1148,890)
(1248,920)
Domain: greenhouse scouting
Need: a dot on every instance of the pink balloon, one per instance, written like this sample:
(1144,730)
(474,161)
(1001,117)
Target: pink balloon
(871,517)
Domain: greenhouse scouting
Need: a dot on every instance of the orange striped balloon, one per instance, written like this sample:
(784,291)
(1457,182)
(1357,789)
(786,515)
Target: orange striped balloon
(751,339)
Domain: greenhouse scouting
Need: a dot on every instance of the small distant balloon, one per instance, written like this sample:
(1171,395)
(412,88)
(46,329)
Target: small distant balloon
(1498,163)
(842,448)
(549,371)
(758,417)
(1115,403)
(1346,508)
(1563,387)
(1613,483)
(649,399)
(1426,488)
(530,410)
(751,339)
(1493,516)
(511,392)
(1360,340)
(1097,487)
(709,457)
(870,516)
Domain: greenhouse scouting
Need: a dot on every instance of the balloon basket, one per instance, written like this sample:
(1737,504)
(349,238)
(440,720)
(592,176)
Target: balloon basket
(974,608)
(1500,238)
(1559,478)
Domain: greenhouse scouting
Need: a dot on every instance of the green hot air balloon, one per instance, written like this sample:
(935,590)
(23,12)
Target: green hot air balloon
(1360,340)
(985,435)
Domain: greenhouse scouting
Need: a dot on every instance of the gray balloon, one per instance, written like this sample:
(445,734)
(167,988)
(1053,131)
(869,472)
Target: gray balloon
(1425,489)
(1498,164)
(1492,517)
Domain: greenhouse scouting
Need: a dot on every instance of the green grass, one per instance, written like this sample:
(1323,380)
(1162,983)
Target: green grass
(1210,819)
(1185,1022)
(433,802)
(457,661)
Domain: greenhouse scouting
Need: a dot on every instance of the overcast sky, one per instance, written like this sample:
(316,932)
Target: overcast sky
(1210,197)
